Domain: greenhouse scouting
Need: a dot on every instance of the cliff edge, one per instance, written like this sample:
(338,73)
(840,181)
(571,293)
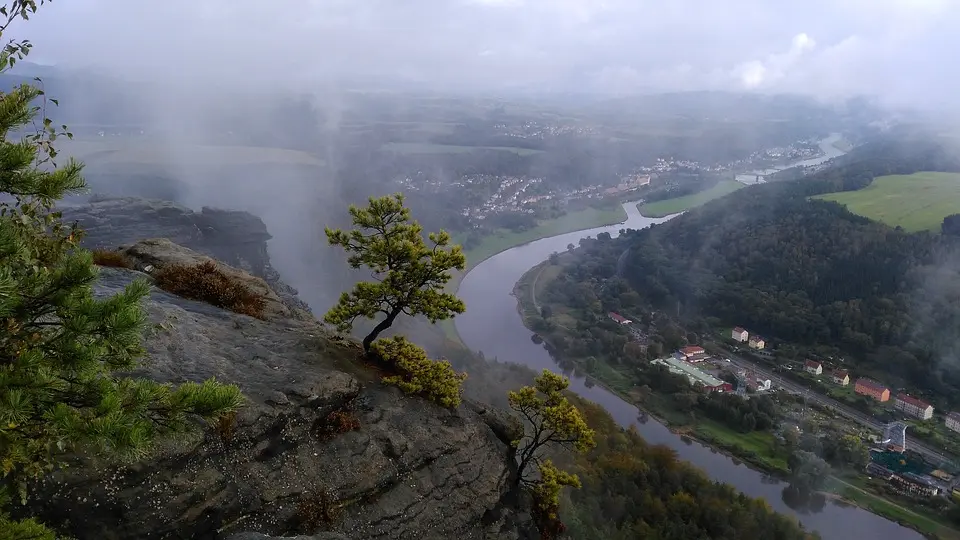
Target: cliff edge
(322,447)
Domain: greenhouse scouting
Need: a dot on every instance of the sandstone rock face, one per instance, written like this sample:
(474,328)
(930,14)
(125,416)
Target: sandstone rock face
(398,467)
(238,239)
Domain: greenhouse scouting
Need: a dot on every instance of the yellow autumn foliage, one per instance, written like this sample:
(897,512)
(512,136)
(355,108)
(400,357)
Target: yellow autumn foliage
(546,492)
(434,379)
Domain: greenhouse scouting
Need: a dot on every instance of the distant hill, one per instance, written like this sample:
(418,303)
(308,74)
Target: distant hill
(86,99)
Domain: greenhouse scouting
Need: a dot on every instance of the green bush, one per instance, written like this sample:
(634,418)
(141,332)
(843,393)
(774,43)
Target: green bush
(434,379)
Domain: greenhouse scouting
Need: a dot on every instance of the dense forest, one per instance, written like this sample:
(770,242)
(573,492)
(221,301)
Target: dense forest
(635,490)
(810,272)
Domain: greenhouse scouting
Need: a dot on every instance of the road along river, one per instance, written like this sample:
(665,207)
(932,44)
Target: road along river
(493,325)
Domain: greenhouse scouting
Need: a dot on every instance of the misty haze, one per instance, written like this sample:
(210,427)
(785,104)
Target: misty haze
(480,269)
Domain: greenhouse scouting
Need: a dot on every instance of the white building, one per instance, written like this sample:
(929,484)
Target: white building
(813,367)
(759,384)
(953,421)
(913,407)
(739,334)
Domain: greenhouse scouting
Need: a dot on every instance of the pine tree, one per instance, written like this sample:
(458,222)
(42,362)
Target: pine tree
(550,420)
(63,351)
(409,275)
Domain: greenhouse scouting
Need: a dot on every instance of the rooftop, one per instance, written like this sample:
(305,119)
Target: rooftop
(681,367)
(617,317)
(872,384)
(913,401)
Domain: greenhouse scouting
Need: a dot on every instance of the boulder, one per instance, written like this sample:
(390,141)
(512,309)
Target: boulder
(152,255)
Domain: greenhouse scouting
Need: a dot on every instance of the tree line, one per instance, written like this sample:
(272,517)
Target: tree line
(811,273)
(631,489)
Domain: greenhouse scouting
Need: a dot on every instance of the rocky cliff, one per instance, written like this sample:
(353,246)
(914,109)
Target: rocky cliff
(236,238)
(321,449)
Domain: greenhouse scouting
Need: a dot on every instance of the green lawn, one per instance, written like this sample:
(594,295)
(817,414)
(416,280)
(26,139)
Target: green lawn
(570,222)
(672,206)
(760,445)
(504,240)
(430,148)
(916,202)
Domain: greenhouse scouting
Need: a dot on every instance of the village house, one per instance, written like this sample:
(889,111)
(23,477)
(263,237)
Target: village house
(619,319)
(953,421)
(758,383)
(756,342)
(871,388)
(913,407)
(811,366)
(840,377)
(739,334)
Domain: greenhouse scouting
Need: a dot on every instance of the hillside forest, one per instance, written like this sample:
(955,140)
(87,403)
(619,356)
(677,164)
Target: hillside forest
(795,270)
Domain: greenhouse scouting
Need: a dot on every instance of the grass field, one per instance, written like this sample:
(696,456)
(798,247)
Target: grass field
(666,207)
(859,490)
(761,446)
(916,202)
(430,148)
(149,151)
(843,145)
(573,221)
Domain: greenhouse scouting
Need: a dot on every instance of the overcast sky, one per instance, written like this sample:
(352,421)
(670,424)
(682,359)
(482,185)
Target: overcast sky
(901,49)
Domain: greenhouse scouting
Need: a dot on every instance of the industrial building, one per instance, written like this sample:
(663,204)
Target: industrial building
(696,376)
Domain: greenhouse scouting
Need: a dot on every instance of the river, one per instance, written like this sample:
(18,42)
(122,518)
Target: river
(826,146)
(492,324)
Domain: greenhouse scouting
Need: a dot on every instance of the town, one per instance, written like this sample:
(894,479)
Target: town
(915,473)
(523,194)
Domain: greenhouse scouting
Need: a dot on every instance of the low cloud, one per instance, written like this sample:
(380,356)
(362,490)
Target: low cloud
(895,48)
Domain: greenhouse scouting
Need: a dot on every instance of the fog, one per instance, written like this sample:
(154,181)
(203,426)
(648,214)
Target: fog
(896,49)
(185,76)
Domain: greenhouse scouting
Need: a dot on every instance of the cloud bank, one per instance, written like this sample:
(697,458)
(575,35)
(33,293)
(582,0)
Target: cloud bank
(898,49)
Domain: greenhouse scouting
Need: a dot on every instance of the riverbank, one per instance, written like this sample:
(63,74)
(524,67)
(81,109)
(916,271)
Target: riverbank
(577,220)
(753,448)
(676,205)
(758,450)
(491,245)
(858,492)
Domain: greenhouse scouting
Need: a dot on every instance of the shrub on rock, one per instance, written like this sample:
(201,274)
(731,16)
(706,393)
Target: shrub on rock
(417,374)
(113,259)
(205,282)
